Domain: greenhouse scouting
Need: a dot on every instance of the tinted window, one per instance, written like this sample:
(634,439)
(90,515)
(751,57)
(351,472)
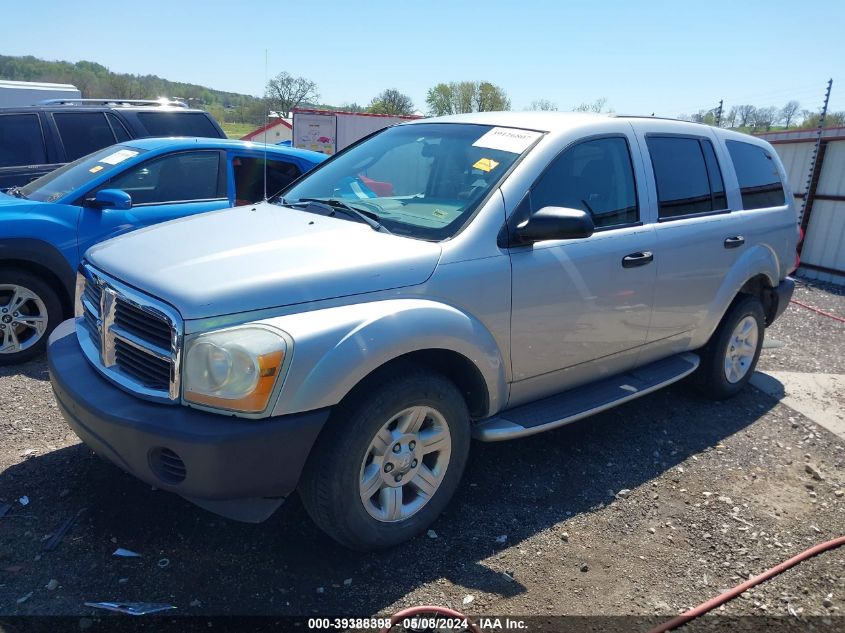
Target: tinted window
(174,178)
(249,178)
(83,132)
(595,176)
(21,142)
(177,124)
(759,181)
(119,130)
(683,184)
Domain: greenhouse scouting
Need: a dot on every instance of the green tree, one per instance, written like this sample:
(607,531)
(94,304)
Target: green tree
(595,106)
(286,92)
(457,97)
(543,104)
(391,101)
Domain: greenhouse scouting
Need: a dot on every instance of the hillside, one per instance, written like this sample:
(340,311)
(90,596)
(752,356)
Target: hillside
(97,81)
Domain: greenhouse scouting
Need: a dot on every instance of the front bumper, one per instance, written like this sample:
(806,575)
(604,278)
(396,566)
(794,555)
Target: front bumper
(232,466)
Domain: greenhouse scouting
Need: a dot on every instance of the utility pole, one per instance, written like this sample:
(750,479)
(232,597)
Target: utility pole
(719,114)
(812,178)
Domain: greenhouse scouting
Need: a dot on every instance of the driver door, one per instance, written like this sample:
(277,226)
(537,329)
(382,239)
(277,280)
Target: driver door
(163,188)
(581,307)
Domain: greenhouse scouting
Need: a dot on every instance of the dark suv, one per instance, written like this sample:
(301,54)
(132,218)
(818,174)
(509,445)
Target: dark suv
(35,140)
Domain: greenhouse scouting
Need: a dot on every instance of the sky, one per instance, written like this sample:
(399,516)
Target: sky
(643,56)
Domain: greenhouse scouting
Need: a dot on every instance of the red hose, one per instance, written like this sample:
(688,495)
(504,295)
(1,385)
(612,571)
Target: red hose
(822,312)
(730,594)
(421,610)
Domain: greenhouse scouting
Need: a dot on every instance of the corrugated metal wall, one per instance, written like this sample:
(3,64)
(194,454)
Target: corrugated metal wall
(824,243)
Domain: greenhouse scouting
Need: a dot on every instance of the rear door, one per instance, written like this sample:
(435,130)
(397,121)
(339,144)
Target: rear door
(698,237)
(23,153)
(162,188)
(81,133)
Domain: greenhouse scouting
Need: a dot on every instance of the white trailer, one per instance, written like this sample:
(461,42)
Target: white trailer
(330,131)
(24,93)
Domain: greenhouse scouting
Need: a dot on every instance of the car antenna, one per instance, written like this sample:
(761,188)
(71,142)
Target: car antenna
(266,122)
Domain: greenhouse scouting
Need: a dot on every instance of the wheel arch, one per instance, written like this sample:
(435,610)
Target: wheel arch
(46,261)
(337,351)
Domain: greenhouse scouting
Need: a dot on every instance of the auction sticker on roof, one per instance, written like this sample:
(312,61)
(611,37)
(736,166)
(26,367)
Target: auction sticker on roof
(508,139)
(118,157)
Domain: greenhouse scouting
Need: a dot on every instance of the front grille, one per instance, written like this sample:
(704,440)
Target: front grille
(134,340)
(143,324)
(149,370)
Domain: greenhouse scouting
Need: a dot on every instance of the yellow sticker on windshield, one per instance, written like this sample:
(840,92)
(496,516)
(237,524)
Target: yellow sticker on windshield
(486,164)
(437,213)
(95,169)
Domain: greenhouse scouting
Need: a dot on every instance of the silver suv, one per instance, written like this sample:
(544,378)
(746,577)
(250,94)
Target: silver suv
(489,275)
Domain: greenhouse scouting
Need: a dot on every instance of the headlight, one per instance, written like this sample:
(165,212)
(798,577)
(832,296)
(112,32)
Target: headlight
(234,369)
(80,288)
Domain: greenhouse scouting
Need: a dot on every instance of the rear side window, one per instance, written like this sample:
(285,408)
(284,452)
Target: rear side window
(250,178)
(595,176)
(182,177)
(177,124)
(21,141)
(687,176)
(119,130)
(83,132)
(757,173)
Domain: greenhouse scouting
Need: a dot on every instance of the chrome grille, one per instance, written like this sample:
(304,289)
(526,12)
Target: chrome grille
(131,338)
(151,371)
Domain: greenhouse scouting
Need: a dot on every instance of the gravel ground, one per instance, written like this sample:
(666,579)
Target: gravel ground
(647,509)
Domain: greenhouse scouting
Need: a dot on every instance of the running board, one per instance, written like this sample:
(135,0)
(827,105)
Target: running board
(583,401)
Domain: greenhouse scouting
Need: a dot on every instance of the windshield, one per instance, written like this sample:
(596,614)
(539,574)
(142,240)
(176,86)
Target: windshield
(79,173)
(423,180)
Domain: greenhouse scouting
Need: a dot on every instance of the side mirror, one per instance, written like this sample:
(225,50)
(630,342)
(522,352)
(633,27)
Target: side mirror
(110,199)
(554,223)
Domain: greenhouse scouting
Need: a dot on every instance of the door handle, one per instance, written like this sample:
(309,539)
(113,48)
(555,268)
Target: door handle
(637,259)
(734,242)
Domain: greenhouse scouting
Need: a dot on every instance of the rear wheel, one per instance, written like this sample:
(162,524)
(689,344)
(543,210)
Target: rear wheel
(729,359)
(29,310)
(388,462)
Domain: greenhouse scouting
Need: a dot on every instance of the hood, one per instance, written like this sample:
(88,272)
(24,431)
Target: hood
(262,256)
(9,202)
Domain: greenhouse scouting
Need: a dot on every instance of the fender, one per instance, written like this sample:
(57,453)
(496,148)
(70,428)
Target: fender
(41,254)
(335,348)
(760,259)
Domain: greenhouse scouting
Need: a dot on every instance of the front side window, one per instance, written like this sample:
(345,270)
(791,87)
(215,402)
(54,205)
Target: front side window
(422,180)
(21,141)
(182,177)
(687,176)
(595,176)
(73,177)
(83,132)
(757,173)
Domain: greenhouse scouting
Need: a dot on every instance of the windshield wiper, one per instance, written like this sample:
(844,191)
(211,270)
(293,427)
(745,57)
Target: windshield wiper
(334,205)
(17,192)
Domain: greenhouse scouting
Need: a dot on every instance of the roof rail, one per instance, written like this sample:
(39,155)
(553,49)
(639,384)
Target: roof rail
(650,116)
(116,102)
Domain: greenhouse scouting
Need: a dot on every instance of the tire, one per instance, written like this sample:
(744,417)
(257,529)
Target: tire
(719,377)
(39,311)
(347,458)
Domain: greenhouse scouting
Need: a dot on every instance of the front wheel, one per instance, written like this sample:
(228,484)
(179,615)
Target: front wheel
(29,310)
(388,462)
(729,359)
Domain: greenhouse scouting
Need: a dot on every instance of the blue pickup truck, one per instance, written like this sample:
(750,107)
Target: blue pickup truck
(46,226)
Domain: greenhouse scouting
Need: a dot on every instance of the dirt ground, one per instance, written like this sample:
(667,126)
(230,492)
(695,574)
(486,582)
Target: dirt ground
(648,509)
